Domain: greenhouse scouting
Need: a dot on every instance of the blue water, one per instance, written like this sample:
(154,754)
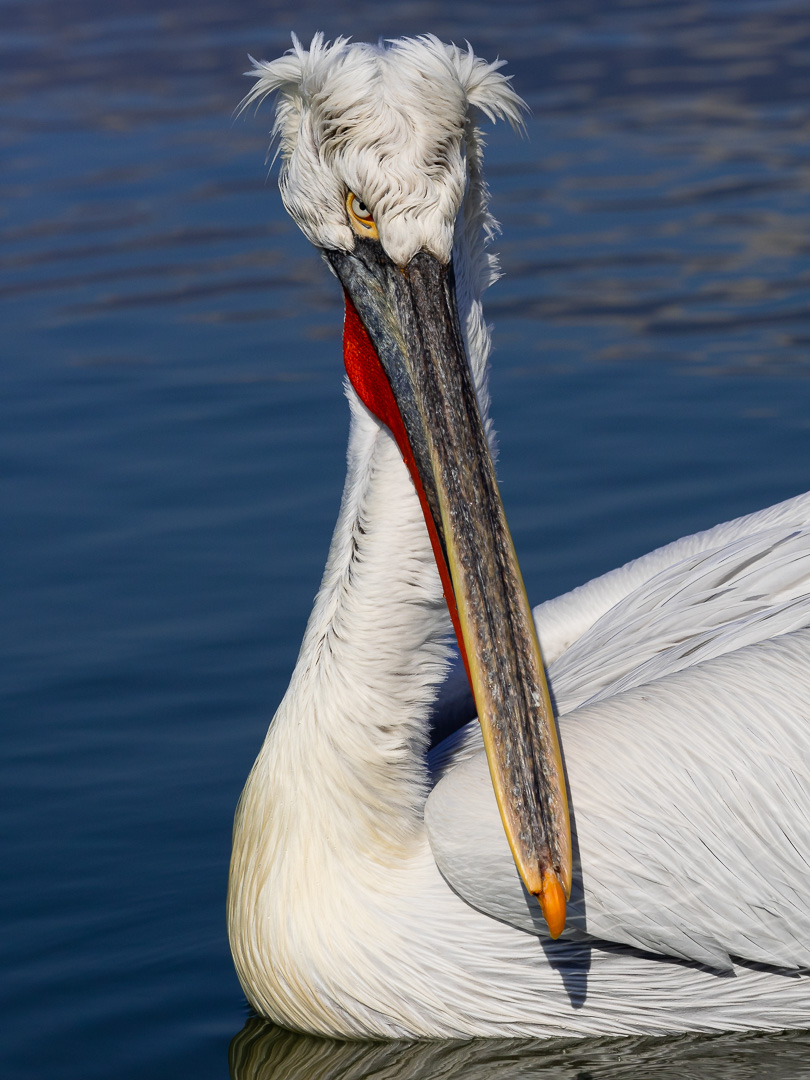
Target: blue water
(172,431)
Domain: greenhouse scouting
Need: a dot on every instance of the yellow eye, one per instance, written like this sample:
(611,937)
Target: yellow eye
(360,217)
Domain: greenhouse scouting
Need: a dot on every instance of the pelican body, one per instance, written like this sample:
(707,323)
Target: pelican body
(383,889)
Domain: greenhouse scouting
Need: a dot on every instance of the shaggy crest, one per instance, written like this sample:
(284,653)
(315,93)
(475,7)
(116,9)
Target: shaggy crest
(394,124)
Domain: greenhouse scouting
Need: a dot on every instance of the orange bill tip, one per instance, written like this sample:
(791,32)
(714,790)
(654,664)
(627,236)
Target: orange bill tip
(552,903)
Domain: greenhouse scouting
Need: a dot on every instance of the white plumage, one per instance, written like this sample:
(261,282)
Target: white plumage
(372,891)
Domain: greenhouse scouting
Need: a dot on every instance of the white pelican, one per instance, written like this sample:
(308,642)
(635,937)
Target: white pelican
(373,892)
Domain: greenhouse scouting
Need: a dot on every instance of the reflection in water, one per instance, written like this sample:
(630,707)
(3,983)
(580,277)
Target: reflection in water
(262,1051)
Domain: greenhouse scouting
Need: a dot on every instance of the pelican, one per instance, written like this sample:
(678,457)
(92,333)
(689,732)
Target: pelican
(383,889)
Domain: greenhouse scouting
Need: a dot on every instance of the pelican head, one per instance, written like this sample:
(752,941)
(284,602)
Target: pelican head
(381,170)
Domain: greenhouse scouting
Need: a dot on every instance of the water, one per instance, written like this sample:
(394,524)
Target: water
(172,432)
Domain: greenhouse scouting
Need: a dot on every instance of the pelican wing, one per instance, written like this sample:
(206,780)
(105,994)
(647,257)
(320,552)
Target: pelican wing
(688,765)
(714,602)
(692,838)
(565,619)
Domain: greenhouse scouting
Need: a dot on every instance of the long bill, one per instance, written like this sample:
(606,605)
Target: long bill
(405,356)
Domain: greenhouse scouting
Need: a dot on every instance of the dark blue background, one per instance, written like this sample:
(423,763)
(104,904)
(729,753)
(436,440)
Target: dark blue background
(172,426)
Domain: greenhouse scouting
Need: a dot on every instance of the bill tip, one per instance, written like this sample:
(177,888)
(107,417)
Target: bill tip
(552,903)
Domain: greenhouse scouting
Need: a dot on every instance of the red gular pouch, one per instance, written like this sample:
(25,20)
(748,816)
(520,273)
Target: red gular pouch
(367,376)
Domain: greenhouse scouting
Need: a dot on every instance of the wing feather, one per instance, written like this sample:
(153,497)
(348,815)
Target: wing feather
(686,733)
(690,801)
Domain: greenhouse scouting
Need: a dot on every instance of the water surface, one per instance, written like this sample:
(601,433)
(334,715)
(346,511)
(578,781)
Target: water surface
(172,431)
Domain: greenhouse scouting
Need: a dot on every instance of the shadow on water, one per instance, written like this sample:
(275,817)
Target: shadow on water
(262,1051)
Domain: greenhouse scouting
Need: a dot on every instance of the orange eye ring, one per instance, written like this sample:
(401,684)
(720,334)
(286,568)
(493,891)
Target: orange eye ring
(360,217)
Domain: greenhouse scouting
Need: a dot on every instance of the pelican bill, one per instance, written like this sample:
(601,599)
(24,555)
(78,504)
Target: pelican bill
(411,319)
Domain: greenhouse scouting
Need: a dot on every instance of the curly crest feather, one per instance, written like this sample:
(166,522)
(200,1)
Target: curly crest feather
(364,118)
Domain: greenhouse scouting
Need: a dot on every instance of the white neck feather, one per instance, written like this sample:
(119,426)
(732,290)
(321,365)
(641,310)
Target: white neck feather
(332,812)
(374,650)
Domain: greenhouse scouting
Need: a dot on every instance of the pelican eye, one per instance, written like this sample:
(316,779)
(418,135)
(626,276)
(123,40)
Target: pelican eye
(360,217)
